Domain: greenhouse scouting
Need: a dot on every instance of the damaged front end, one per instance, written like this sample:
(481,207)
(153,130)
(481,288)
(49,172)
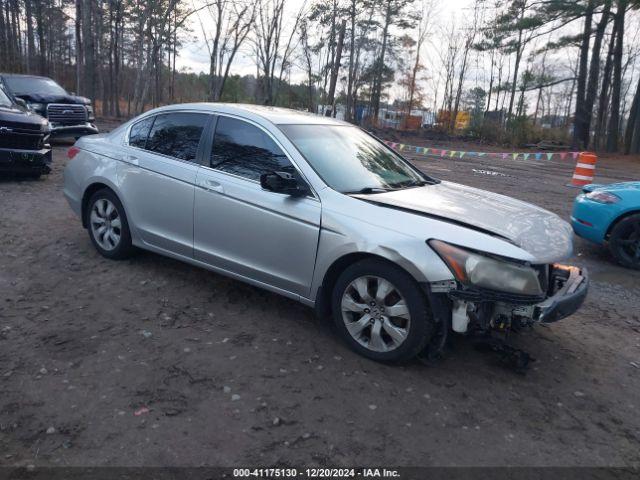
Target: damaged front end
(493,294)
(477,309)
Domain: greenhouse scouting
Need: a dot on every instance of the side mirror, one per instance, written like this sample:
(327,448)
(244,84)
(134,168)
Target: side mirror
(21,102)
(283,182)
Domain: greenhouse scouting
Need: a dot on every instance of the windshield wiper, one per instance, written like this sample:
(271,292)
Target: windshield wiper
(417,183)
(368,190)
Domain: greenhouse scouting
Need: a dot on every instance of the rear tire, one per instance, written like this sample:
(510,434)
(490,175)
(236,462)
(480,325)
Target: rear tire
(107,225)
(624,242)
(381,312)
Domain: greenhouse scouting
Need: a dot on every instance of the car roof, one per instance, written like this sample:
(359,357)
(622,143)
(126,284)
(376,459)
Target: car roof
(276,115)
(20,75)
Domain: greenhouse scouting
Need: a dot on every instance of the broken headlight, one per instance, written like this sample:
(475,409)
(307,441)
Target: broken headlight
(36,107)
(474,269)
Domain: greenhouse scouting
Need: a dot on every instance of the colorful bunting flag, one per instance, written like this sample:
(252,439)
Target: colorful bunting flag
(461,154)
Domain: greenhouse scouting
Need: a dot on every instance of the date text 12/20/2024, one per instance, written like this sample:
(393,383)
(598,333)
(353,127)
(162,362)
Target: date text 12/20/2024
(337,473)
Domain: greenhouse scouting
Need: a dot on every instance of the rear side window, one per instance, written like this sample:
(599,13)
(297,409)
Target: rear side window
(177,134)
(243,149)
(139,132)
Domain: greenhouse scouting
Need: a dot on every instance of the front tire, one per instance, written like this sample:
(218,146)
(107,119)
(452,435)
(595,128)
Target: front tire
(381,312)
(107,225)
(624,242)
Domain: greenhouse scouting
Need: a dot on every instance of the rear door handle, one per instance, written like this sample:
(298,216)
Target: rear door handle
(211,185)
(133,159)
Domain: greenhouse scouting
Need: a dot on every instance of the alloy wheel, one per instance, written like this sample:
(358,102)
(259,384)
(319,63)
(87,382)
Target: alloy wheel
(375,313)
(629,244)
(106,225)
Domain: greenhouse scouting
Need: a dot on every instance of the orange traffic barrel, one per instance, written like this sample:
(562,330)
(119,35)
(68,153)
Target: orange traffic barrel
(585,169)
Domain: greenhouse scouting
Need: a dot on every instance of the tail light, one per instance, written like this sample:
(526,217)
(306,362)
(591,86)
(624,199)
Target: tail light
(72,152)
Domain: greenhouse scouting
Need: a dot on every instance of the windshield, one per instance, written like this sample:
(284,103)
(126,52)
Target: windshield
(5,101)
(34,85)
(349,160)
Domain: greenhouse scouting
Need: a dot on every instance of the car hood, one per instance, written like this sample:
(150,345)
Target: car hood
(612,187)
(12,117)
(541,233)
(38,98)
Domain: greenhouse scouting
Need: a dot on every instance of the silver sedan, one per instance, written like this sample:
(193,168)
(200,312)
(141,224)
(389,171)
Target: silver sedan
(322,212)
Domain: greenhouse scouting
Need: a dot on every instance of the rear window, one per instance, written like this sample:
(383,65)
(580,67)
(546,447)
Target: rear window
(177,134)
(140,132)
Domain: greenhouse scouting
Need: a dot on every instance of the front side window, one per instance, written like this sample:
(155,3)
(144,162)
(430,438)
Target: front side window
(177,134)
(243,149)
(140,132)
(349,160)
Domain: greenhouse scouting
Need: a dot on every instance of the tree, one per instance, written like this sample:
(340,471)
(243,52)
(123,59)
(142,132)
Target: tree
(269,48)
(395,14)
(613,131)
(594,68)
(231,25)
(335,68)
(424,29)
(468,43)
(632,132)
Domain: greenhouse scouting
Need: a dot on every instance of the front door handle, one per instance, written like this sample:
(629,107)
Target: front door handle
(211,185)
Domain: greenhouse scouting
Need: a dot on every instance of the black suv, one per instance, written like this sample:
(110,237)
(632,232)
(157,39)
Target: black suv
(24,140)
(68,115)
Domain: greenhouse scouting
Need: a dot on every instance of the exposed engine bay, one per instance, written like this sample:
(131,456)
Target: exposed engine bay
(489,316)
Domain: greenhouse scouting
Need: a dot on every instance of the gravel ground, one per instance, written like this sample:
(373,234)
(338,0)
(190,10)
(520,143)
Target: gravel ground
(154,362)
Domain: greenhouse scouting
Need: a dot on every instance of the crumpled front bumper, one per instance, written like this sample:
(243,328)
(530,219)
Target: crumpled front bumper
(567,299)
(25,161)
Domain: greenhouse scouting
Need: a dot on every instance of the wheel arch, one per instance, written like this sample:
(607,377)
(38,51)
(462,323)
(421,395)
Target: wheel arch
(88,192)
(618,219)
(323,297)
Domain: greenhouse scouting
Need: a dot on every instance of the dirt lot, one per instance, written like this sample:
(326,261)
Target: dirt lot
(232,375)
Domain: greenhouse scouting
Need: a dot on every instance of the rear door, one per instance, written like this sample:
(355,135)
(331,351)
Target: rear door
(159,178)
(264,236)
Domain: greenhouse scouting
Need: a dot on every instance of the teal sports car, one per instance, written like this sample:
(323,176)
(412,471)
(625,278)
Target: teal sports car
(610,214)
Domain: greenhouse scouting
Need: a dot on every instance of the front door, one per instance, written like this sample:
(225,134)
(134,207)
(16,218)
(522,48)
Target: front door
(264,236)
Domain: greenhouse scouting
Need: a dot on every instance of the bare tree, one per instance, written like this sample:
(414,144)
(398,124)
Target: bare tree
(424,29)
(272,53)
(232,22)
(468,43)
